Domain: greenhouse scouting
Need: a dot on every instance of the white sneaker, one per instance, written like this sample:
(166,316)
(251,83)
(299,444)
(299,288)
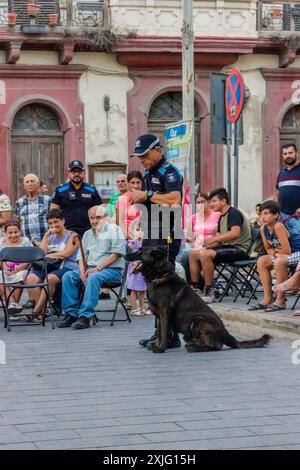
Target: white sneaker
(208,296)
(14,308)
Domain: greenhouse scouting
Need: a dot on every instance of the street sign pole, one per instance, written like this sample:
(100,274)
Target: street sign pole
(234,99)
(228,156)
(236,166)
(188,83)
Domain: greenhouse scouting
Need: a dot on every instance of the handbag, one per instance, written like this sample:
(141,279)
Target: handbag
(52,264)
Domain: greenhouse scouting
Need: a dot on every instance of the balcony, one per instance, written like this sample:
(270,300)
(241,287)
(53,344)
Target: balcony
(71,13)
(279,17)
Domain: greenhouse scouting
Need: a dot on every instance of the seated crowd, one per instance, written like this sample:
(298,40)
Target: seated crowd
(217,234)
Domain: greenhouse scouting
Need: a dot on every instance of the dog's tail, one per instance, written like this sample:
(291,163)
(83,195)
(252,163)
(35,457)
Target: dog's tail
(232,342)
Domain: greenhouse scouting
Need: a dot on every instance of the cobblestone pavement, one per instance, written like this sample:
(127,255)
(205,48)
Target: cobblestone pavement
(97,388)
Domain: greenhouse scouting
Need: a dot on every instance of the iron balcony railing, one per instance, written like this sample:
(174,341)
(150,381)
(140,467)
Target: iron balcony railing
(279,16)
(71,13)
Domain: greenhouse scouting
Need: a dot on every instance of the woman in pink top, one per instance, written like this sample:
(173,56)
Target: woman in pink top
(202,225)
(126,213)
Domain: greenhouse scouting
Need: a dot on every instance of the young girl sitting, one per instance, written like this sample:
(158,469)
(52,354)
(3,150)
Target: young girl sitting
(13,272)
(136,281)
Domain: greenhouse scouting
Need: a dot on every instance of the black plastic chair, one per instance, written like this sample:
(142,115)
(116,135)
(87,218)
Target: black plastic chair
(28,255)
(117,289)
(241,272)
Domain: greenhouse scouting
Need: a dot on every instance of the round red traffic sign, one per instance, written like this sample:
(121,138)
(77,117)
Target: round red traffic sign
(234,95)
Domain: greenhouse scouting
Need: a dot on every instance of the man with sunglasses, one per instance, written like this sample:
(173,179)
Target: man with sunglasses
(75,198)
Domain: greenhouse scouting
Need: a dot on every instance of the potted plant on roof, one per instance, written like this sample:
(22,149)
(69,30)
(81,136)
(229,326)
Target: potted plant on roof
(11,18)
(53,19)
(33,9)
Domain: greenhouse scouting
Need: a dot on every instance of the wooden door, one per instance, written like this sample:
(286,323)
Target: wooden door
(42,155)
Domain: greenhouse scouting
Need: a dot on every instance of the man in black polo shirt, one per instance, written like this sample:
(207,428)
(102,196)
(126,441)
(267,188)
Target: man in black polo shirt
(287,194)
(75,198)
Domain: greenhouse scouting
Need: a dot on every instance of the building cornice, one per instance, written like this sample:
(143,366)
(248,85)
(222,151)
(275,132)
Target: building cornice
(42,71)
(280,74)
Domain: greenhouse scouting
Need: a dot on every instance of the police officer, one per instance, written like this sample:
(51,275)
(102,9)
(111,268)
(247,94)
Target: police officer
(75,198)
(162,186)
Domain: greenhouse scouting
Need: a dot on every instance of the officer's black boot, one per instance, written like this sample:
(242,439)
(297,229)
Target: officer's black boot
(173,340)
(145,342)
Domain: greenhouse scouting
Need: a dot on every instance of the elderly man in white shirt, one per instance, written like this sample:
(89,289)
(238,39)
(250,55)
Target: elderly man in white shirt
(103,246)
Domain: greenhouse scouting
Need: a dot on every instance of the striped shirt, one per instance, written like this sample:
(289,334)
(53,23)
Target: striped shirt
(288,185)
(33,215)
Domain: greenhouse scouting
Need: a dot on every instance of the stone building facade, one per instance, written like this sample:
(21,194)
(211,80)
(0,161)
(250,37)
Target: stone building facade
(110,70)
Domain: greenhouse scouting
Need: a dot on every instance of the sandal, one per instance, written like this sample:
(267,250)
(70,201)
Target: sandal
(137,313)
(28,318)
(258,306)
(146,312)
(275,308)
(38,316)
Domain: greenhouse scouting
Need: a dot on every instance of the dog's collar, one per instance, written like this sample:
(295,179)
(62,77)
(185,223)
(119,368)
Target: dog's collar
(160,279)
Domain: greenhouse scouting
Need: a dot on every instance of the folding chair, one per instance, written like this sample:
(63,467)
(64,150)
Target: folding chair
(28,255)
(296,301)
(240,272)
(117,289)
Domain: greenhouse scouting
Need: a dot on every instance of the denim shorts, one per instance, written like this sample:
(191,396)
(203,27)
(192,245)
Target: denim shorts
(57,272)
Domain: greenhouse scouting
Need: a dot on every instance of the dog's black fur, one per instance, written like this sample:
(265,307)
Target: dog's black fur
(179,308)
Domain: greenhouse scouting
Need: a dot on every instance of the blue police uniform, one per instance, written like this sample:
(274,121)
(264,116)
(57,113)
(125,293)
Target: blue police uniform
(163,179)
(75,204)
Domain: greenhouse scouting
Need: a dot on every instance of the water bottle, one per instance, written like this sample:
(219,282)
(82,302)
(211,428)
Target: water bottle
(217,290)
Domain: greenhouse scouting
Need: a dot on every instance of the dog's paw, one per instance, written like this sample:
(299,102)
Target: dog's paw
(155,348)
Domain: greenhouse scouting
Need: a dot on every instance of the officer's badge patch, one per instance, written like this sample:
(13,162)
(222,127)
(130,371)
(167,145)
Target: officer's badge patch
(154,180)
(171,178)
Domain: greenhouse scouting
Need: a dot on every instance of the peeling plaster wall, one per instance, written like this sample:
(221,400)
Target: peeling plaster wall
(250,154)
(105,133)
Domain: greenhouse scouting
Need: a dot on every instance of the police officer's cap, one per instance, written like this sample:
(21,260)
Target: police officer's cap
(76,164)
(144,143)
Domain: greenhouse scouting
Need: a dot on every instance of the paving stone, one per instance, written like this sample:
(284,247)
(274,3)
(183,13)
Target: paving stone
(98,389)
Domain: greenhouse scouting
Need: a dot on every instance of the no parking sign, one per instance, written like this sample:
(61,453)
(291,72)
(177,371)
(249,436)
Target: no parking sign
(234,95)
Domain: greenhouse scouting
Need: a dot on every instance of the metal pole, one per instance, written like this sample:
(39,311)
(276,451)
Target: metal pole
(236,166)
(228,156)
(188,81)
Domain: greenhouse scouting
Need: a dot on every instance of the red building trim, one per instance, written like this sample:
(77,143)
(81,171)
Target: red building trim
(278,100)
(54,86)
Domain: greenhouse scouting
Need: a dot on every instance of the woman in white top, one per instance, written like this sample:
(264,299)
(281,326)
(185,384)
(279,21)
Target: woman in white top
(13,272)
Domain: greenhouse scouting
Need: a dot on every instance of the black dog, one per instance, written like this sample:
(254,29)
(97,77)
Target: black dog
(179,308)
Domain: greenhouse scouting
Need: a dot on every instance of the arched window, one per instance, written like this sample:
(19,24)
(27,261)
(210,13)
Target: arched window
(37,147)
(166,109)
(290,128)
(36,118)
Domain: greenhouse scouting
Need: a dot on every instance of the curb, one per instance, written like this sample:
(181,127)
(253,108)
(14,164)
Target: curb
(281,323)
